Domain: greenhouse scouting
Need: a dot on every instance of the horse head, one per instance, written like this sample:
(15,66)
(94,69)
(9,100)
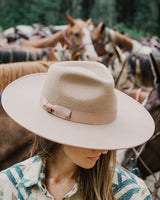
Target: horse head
(98,38)
(77,37)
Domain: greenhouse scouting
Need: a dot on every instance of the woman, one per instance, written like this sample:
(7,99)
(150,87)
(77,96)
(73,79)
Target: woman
(79,121)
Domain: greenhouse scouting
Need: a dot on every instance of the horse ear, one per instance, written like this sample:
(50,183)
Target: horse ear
(89,21)
(118,53)
(70,20)
(101,27)
(156,68)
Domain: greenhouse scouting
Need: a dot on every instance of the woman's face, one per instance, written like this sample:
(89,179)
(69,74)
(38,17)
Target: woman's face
(82,157)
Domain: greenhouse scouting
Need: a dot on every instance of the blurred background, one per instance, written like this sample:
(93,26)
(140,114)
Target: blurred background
(135,17)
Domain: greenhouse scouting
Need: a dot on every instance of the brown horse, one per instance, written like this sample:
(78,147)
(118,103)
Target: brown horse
(15,141)
(126,43)
(76,37)
(12,71)
(98,38)
(121,40)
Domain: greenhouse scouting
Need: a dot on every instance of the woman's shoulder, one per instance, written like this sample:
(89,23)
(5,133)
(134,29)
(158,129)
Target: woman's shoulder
(14,173)
(128,186)
(15,179)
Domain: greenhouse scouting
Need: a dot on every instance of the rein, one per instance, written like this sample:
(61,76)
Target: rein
(120,73)
(136,153)
(157,180)
(70,42)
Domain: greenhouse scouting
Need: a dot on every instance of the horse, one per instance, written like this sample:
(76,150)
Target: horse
(27,54)
(134,69)
(76,37)
(145,158)
(139,94)
(11,71)
(119,67)
(15,141)
(25,29)
(28,32)
(117,39)
(98,38)
(104,40)
(126,43)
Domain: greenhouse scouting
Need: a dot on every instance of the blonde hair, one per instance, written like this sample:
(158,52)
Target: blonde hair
(94,183)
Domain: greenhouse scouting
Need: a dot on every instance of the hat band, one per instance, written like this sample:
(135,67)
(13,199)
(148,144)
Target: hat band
(78,116)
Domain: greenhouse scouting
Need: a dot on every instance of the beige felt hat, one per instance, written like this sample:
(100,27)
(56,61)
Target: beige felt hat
(75,103)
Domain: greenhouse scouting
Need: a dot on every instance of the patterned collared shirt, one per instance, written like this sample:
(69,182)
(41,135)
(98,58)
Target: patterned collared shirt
(26,181)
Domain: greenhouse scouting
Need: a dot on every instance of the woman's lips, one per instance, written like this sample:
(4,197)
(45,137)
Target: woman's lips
(94,158)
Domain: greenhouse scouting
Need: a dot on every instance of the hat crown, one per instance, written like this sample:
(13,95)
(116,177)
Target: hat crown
(82,86)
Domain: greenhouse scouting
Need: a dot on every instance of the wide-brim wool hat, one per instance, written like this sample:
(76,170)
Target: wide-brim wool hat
(75,103)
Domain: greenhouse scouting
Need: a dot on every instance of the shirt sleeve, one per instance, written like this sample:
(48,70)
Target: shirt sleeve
(144,193)
(127,186)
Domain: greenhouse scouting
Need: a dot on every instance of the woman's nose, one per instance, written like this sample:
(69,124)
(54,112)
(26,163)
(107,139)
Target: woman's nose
(104,151)
(100,151)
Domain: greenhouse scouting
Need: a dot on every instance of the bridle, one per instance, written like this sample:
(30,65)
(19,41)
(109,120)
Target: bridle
(98,44)
(70,42)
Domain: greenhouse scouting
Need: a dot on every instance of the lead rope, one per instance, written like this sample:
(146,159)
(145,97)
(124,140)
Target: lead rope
(123,66)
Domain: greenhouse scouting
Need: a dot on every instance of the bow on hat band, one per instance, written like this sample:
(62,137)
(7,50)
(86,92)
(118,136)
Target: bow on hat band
(77,116)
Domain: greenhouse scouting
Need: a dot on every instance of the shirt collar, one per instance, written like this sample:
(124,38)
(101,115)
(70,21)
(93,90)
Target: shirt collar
(33,172)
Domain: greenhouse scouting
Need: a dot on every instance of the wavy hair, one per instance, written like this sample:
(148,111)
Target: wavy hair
(94,183)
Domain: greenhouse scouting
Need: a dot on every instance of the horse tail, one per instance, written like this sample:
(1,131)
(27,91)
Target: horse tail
(132,63)
(146,70)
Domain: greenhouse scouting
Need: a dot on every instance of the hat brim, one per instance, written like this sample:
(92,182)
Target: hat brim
(133,125)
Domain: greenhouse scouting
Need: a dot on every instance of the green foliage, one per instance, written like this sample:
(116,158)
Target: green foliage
(133,33)
(104,11)
(147,16)
(1,29)
(34,11)
(138,17)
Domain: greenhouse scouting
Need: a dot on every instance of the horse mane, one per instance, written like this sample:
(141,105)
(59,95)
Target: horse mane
(143,71)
